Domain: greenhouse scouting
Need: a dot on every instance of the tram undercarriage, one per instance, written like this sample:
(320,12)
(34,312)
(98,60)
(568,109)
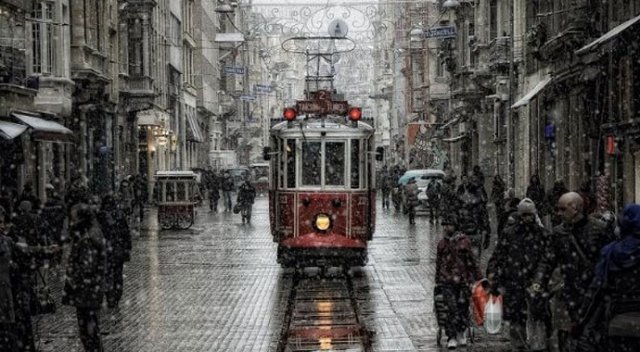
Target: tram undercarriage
(289,257)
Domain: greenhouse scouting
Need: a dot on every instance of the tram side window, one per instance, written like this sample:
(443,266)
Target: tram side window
(334,163)
(291,163)
(355,163)
(311,164)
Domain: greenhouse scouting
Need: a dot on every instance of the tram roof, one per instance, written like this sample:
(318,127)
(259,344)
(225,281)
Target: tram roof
(316,126)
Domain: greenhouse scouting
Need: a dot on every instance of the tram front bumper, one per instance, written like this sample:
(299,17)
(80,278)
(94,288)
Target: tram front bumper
(322,249)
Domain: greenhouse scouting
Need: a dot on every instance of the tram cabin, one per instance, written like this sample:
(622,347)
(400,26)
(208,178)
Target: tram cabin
(322,192)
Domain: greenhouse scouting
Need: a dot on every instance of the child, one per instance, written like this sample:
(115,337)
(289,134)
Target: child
(456,270)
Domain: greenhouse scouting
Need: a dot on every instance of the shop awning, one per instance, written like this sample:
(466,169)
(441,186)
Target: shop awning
(45,130)
(532,93)
(10,130)
(196,134)
(609,35)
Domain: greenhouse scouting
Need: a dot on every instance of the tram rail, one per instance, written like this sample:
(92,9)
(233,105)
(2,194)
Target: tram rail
(322,314)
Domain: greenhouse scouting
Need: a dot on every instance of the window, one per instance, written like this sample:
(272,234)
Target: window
(493,19)
(311,163)
(355,163)
(189,78)
(334,163)
(290,149)
(43,37)
(136,51)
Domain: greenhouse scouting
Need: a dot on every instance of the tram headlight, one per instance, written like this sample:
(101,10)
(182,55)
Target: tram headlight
(323,222)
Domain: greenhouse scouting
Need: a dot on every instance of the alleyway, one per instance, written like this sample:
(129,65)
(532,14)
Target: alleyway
(217,287)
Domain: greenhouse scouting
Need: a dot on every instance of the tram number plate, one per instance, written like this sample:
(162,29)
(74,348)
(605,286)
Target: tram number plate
(322,107)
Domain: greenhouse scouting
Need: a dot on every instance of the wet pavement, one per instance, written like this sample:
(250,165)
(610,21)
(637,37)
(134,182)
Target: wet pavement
(217,287)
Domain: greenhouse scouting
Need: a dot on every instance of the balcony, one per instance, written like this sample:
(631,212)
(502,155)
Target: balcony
(566,34)
(138,91)
(499,53)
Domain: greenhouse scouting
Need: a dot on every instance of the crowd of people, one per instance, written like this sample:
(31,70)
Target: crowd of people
(223,182)
(567,270)
(88,236)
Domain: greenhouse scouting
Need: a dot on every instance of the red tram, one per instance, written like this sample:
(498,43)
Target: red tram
(322,189)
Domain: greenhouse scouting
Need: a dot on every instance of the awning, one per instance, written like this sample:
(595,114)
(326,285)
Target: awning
(10,130)
(609,35)
(45,130)
(456,138)
(151,117)
(532,93)
(196,134)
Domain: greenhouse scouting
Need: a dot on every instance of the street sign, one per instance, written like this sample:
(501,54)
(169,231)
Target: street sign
(263,88)
(233,70)
(248,97)
(322,107)
(440,32)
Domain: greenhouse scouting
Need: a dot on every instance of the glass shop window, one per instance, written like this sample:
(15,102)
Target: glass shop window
(334,163)
(311,164)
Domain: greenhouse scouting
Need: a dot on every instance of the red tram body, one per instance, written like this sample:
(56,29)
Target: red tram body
(322,191)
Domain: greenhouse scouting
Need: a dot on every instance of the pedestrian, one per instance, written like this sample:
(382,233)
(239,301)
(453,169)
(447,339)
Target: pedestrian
(227,188)
(246,198)
(498,199)
(27,225)
(477,172)
(456,270)
(54,214)
(84,282)
(464,185)
(535,192)
(213,186)
(513,265)
(115,229)
(411,199)
(434,188)
(588,197)
(139,188)
(386,184)
(613,291)
(574,248)
(29,195)
(552,201)
(78,192)
(19,263)
(449,200)
(510,206)
(473,218)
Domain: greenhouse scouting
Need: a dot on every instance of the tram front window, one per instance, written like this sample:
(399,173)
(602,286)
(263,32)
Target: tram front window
(311,164)
(334,163)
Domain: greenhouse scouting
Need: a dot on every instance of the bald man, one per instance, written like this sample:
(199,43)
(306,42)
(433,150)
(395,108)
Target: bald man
(574,249)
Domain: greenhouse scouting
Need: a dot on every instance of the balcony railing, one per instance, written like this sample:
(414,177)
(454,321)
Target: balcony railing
(500,53)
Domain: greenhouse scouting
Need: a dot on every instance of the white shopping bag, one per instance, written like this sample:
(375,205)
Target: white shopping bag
(493,315)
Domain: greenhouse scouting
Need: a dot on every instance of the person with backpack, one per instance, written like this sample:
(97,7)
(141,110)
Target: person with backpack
(456,270)
(434,188)
(113,223)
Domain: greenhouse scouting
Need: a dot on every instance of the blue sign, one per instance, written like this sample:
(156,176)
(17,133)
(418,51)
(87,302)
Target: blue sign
(232,70)
(248,97)
(263,88)
(440,32)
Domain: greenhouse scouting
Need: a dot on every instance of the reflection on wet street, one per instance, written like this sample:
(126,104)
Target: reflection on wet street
(217,287)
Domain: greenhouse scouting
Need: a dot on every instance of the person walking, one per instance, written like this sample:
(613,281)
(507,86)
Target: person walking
(498,198)
(513,265)
(456,270)
(115,229)
(227,188)
(574,248)
(246,198)
(473,218)
(411,195)
(213,186)
(54,214)
(84,282)
(535,192)
(434,188)
(386,184)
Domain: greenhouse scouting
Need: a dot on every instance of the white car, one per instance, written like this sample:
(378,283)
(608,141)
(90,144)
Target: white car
(423,177)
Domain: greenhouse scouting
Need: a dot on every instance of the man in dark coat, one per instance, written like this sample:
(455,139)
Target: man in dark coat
(498,198)
(53,216)
(473,218)
(29,194)
(85,275)
(113,223)
(434,190)
(513,266)
(411,199)
(213,186)
(552,201)
(246,198)
(574,248)
(535,192)
(449,201)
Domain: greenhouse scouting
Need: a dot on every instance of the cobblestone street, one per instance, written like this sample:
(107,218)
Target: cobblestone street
(217,287)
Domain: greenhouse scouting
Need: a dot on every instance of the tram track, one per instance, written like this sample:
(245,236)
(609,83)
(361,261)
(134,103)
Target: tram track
(322,314)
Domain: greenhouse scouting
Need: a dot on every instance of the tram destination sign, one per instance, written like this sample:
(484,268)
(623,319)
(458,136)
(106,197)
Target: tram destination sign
(322,107)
